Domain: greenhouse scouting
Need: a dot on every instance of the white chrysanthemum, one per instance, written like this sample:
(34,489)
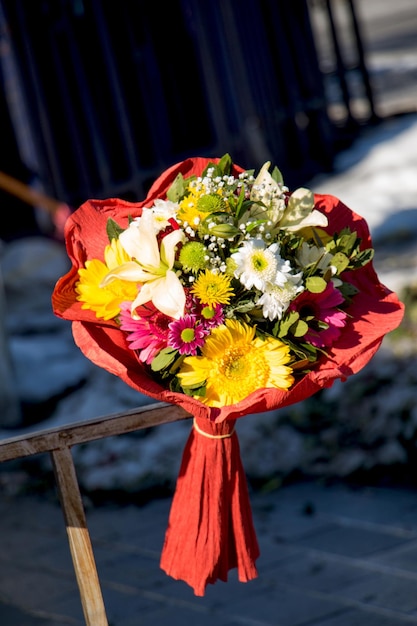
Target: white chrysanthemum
(259,266)
(256,264)
(163,211)
(275,300)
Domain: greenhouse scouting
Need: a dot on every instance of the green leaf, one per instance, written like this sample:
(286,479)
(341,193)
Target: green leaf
(277,176)
(225,164)
(243,307)
(163,359)
(299,329)
(282,328)
(317,238)
(251,225)
(316,284)
(340,261)
(177,189)
(241,205)
(348,290)
(197,390)
(224,231)
(222,168)
(363,257)
(113,229)
(347,242)
(176,364)
(201,391)
(322,325)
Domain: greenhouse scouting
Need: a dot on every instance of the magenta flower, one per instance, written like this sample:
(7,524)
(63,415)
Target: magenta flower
(208,316)
(149,333)
(186,335)
(321,309)
(211,316)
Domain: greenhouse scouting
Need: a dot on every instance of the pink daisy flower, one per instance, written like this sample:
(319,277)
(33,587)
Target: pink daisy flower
(211,316)
(148,334)
(323,308)
(208,316)
(186,334)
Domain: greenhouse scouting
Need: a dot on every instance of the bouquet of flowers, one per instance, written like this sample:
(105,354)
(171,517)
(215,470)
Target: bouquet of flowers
(228,294)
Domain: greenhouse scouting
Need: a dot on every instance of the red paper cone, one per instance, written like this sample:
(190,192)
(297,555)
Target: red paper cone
(210,528)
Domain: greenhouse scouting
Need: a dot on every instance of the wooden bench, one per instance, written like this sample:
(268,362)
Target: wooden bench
(58,442)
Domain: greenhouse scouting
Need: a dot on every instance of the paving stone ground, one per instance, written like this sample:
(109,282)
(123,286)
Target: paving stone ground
(330,556)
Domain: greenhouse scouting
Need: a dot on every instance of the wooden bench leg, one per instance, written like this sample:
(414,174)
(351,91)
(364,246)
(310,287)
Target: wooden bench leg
(79,538)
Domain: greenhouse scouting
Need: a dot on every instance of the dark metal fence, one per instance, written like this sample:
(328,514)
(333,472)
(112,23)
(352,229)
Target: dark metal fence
(114,92)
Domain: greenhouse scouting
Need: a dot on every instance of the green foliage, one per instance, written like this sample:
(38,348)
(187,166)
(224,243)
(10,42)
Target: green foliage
(113,229)
(177,189)
(316,284)
(164,359)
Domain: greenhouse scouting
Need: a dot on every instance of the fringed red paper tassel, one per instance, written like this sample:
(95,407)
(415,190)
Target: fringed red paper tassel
(210,529)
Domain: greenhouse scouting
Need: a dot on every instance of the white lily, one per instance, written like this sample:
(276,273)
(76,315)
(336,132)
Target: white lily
(151,267)
(300,212)
(309,254)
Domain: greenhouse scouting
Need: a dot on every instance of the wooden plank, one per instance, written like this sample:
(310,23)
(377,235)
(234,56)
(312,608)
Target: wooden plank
(29,195)
(79,539)
(89,430)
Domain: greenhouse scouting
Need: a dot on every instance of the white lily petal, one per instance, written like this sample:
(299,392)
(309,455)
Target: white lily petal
(139,240)
(263,178)
(314,219)
(169,296)
(300,204)
(128,271)
(130,238)
(300,211)
(144,296)
(166,293)
(168,247)
(269,193)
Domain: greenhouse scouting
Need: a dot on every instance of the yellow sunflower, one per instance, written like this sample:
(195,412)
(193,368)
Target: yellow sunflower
(235,363)
(105,301)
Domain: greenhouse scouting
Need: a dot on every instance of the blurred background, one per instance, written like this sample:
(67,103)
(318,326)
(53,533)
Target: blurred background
(102,96)
(97,98)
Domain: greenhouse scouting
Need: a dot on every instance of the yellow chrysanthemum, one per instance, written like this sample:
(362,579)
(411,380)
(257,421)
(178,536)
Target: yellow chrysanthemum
(235,363)
(198,205)
(105,301)
(188,211)
(212,288)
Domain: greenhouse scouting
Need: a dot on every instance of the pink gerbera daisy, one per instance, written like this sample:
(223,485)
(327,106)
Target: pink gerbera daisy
(318,308)
(187,335)
(149,333)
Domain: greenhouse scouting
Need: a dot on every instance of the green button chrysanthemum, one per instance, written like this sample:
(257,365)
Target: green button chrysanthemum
(210,203)
(193,256)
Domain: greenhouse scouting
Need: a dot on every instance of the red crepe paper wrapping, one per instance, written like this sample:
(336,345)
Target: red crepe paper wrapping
(210,528)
